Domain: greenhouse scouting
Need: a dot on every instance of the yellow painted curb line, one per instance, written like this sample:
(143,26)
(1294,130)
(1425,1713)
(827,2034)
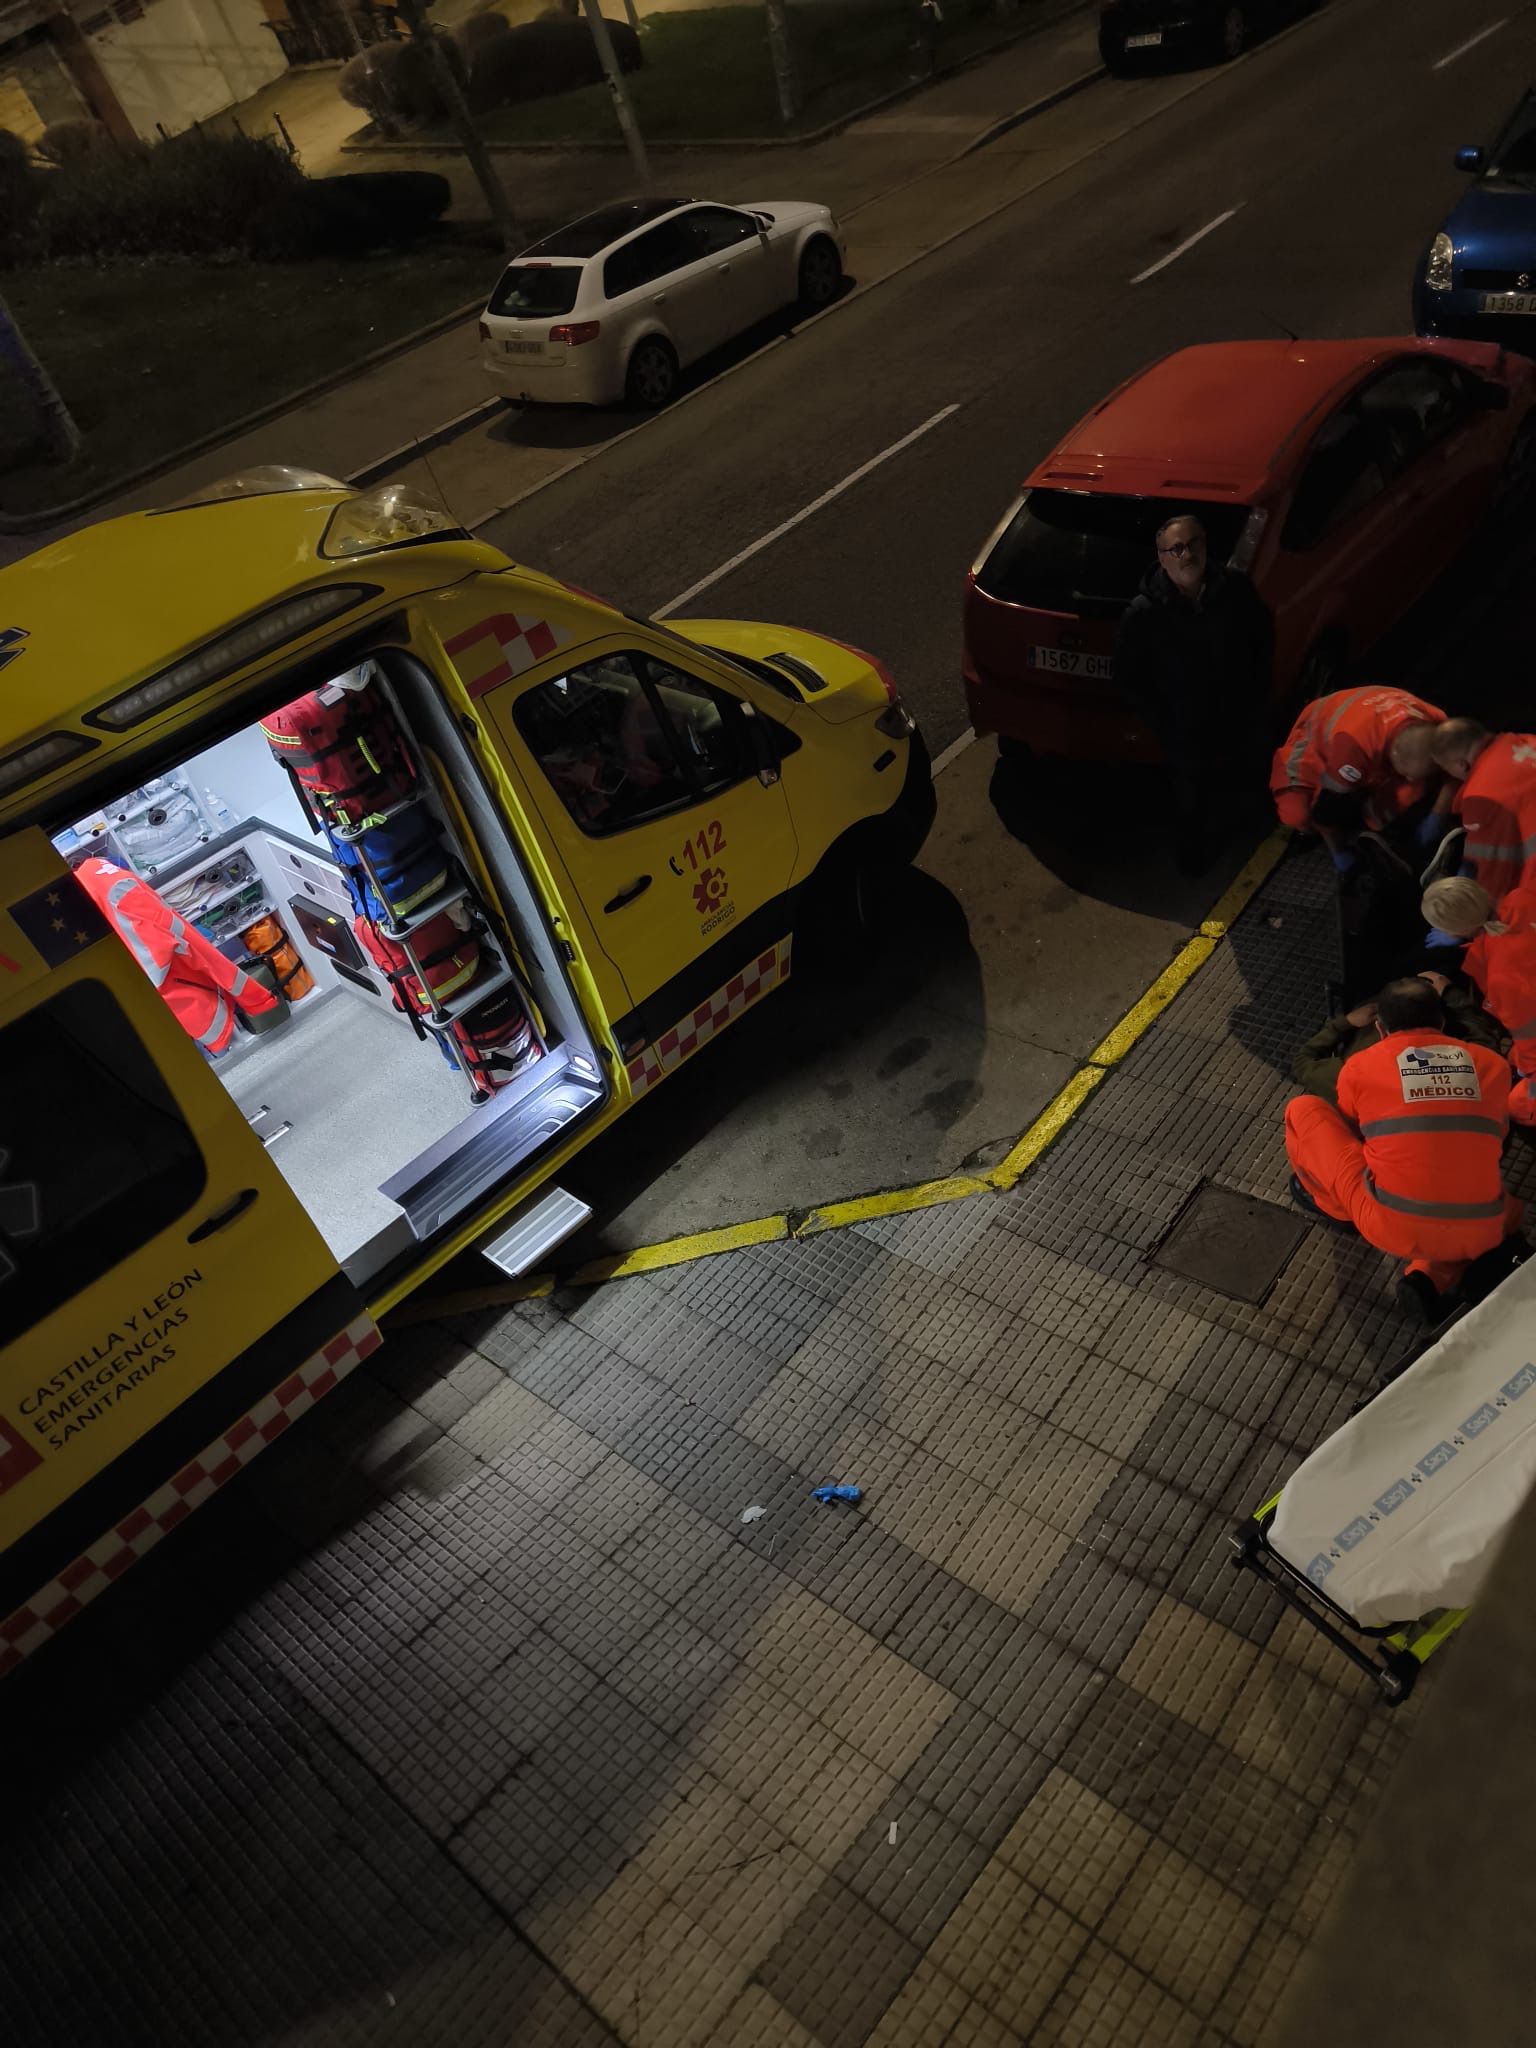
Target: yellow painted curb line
(1040,1136)
(677,1251)
(927,1194)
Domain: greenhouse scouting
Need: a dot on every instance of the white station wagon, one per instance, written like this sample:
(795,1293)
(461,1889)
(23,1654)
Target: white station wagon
(616,305)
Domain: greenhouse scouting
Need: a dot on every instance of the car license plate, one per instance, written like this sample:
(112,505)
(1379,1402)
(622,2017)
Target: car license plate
(1148,42)
(1057,659)
(523,348)
(1507,302)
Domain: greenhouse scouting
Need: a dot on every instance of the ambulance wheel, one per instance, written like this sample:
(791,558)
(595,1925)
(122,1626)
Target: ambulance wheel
(846,907)
(650,382)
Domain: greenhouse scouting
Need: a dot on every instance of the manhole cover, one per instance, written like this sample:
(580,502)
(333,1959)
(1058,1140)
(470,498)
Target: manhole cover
(1234,1244)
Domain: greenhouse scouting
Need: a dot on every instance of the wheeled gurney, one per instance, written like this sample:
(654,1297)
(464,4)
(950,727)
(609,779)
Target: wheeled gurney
(1383,1536)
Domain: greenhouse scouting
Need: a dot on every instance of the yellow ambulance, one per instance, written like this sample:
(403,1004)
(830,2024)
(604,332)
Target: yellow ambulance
(619,825)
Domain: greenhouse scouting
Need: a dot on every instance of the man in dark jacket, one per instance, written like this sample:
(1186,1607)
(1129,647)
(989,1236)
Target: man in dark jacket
(1194,655)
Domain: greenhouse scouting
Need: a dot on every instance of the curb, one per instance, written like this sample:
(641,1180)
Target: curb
(438,437)
(39,522)
(1043,105)
(1027,1149)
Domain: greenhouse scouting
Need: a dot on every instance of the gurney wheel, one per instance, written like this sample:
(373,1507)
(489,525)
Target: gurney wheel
(1396,1676)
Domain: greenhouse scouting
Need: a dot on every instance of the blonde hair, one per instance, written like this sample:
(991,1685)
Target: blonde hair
(1458,905)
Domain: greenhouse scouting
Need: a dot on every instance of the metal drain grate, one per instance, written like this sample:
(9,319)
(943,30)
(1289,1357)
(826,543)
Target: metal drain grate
(1234,1244)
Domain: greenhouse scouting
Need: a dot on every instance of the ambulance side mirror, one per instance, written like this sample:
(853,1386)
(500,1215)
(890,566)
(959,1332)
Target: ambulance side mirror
(760,739)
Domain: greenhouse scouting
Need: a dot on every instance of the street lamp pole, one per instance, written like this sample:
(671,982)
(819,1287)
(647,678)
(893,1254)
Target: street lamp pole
(60,434)
(446,79)
(620,94)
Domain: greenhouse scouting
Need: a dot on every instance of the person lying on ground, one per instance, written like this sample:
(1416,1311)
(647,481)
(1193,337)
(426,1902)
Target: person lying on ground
(1318,1064)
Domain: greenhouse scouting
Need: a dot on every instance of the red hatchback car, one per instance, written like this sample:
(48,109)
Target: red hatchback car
(1343,476)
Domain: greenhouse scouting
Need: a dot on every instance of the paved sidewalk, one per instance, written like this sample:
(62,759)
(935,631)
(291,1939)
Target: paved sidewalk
(871,175)
(476,1712)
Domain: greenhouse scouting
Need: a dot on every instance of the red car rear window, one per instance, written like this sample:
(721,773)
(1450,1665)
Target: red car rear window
(1087,551)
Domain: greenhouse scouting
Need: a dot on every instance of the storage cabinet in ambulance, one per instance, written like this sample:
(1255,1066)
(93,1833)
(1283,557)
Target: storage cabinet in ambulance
(467,861)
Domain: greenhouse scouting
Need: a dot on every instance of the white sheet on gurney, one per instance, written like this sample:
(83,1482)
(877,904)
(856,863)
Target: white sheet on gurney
(1403,1509)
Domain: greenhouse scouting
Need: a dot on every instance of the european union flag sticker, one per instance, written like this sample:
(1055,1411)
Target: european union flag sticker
(60,920)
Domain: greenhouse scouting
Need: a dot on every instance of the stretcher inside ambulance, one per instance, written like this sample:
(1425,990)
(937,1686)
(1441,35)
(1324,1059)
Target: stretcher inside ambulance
(351,881)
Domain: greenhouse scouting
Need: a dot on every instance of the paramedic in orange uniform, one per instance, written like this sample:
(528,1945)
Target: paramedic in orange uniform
(1501,962)
(1411,1155)
(201,987)
(1496,801)
(1358,756)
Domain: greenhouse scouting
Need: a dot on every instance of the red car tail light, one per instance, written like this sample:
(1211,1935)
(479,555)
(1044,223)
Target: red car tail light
(574,332)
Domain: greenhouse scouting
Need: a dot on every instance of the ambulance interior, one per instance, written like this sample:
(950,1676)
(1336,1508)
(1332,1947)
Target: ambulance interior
(390,1105)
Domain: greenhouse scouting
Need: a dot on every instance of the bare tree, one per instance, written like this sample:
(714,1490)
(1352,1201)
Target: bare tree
(452,93)
(57,431)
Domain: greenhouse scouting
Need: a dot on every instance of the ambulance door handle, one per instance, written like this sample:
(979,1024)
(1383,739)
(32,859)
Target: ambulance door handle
(628,895)
(222,1218)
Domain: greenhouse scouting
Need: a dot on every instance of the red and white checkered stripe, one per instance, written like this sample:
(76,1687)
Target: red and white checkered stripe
(509,645)
(107,1559)
(712,1015)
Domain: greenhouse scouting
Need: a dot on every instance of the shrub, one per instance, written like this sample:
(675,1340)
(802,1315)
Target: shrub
(196,195)
(477,31)
(65,142)
(396,83)
(403,204)
(543,57)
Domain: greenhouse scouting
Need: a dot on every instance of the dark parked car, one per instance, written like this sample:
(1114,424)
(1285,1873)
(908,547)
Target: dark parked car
(1477,278)
(1133,30)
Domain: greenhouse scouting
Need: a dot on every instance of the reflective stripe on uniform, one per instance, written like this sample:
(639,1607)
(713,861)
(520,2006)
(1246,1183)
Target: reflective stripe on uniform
(213,1032)
(1351,699)
(1297,755)
(1389,1126)
(1449,1212)
(1486,849)
(156,970)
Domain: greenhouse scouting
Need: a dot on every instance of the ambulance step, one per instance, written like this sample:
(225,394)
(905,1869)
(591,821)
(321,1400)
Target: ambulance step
(471,1160)
(536,1229)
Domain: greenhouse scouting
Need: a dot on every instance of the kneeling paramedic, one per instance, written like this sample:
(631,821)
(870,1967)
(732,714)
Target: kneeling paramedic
(1501,961)
(1411,1155)
(198,985)
(1360,758)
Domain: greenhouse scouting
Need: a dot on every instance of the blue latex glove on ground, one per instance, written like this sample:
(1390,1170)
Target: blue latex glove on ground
(1431,830)
(1343,860)
(1439,938)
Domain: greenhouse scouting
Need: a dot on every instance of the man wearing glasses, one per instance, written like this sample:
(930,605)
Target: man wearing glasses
(1194,654)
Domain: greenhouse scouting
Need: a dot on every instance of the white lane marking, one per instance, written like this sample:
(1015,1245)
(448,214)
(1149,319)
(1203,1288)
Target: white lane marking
(1189,242)
(797,518)
(1471,43)
(953,751)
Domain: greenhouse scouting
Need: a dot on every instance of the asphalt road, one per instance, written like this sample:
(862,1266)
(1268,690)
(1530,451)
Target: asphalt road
(1324,162)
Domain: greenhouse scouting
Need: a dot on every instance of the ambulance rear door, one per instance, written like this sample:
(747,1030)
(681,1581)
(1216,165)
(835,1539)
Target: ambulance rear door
(158,1278)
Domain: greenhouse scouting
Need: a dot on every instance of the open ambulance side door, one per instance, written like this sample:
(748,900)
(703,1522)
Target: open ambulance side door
(166,1305)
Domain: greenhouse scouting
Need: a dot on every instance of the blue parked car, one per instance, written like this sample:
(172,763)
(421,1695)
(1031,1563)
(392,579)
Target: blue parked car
(1477,279)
